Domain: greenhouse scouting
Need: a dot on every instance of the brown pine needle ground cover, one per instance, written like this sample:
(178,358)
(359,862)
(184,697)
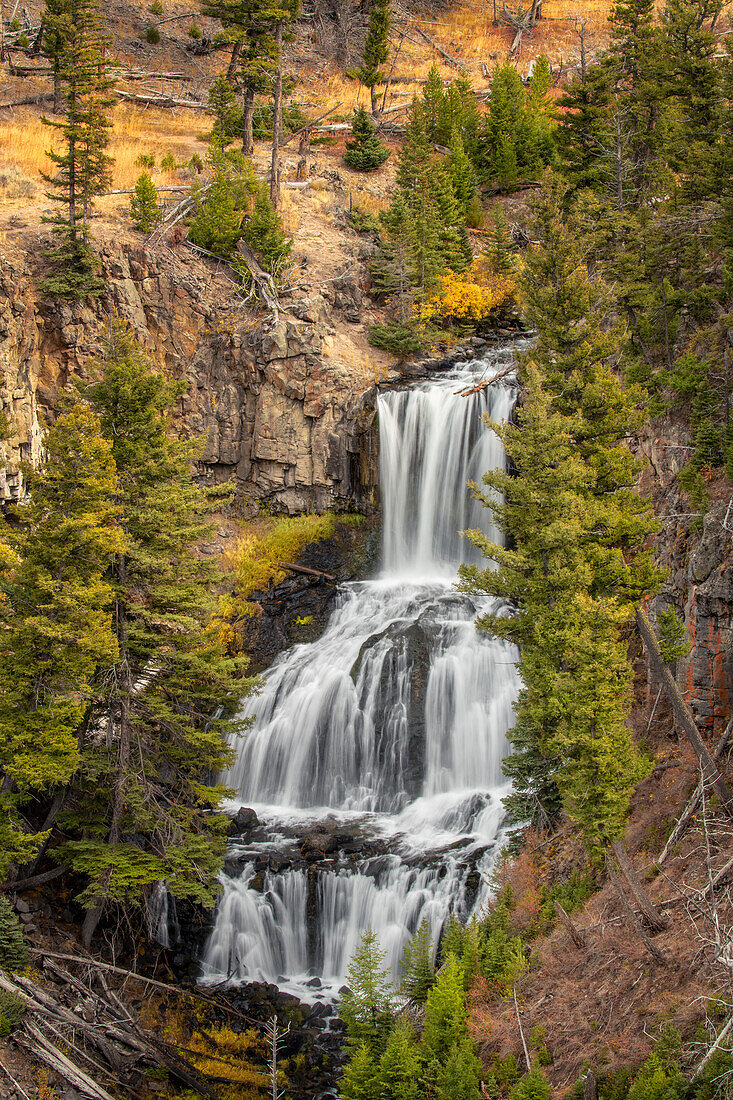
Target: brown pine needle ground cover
(607,1003)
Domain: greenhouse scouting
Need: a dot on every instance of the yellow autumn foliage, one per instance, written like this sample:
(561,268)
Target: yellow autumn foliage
(475,295)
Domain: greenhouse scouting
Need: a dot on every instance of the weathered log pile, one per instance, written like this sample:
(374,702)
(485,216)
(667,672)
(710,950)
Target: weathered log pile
(78,1027)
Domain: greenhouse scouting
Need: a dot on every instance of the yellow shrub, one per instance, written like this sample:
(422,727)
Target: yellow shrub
(221,1053)
(475,295)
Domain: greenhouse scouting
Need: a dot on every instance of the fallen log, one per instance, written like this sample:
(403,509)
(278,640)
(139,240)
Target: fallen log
(443,53)
(576,934)
(695,799)
(505,372)
(38,880)
(27,101)
(33,1039)
(159,99)
(131,190)
(262,279)
(305,570)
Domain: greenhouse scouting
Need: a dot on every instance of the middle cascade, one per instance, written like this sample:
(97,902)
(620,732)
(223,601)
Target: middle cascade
(391,726)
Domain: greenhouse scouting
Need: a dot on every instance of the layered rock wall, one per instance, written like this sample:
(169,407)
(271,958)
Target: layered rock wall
(286,410)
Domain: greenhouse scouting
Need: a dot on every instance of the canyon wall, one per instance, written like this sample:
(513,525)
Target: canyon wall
(284,409)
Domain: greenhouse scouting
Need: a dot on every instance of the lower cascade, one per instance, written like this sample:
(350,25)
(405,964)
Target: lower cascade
(381,743)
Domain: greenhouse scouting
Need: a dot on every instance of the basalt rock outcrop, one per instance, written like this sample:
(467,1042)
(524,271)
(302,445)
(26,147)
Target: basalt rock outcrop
(284,409)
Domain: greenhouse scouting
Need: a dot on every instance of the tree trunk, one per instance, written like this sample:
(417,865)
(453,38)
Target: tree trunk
(652,916)
(590,1086)
(710,771)
(375,98)
(236,51)
(653,950)
(248,107)
(576,934)
(124,739)
(58,92)
(277,112)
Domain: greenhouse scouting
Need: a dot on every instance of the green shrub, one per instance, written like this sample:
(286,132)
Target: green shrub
(13,949)
(146,160)
(144,209)
(195,163)
(194,31)
(15,25)
(168,163)
(12,1010)
(22,42)
(571,894)
(401,340)
(152,35)
(156,8)
(264,233)
(533,1086)
(362,221)
(365,152)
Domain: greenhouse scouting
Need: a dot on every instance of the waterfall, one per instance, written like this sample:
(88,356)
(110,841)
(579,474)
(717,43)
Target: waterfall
(391,726)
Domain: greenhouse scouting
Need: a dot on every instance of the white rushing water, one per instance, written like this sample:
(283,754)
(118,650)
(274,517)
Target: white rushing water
(393,724)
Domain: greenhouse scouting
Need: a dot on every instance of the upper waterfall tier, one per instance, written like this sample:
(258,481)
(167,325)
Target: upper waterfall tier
(431,443)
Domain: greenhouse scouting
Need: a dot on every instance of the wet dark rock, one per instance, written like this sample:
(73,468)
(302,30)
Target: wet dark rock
(244,820)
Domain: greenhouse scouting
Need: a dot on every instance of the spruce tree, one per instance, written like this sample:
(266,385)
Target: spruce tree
(365,151)
(83,167)
(463,178)
(359,1081)
(445,1012)
(578,528)
(166,699)
(55,620)
(144,209)
(264,234)
(367,1008)
(418,965)
(398,1076)
(459,1077)
(376,50)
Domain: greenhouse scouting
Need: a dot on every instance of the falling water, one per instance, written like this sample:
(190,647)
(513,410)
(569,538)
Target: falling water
(391,726)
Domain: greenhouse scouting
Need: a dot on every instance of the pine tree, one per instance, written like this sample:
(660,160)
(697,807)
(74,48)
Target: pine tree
(217,222)
(367,1008)
(13,948)
(463,177)
(55,620)
(418,965)
(365,151)
(221,105)
(264,233)
(533,1086)
(376,50)
(431,105)
(359,1081)
(393,270)
(83,167)
(144,209)
(445,1012)
(503,132)
(577,566)
(166,698)
(398,1076)
(458,1078)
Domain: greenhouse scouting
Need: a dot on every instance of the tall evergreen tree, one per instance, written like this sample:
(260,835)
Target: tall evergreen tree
(399,1066)
(83,167)
(577,566)
(376,50)
(166,700)
(367,1008)
(55,621)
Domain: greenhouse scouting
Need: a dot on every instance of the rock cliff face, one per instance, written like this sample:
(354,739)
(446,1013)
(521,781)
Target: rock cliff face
(287,410)
(699,561)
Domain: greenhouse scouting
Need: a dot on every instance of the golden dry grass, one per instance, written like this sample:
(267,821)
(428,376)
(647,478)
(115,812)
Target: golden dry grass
(24,141)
